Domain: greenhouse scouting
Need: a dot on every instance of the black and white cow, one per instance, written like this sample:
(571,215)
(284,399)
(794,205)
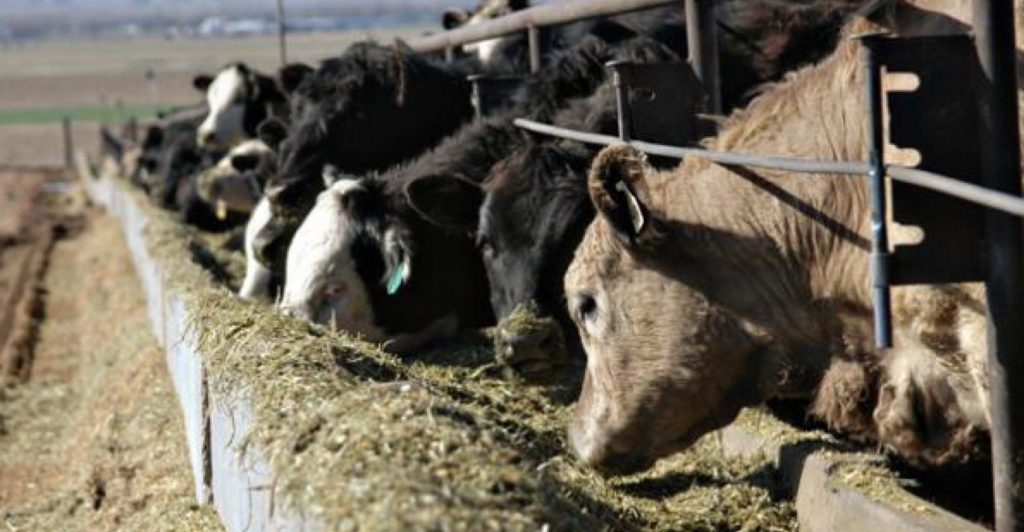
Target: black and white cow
(239,99)
(235,183)
(368,109)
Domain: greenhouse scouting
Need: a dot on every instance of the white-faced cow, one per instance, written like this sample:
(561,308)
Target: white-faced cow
(235,183)
(706,289)
(239,99)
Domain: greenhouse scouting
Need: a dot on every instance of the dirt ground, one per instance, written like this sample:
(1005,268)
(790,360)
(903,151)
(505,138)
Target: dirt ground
(93,439)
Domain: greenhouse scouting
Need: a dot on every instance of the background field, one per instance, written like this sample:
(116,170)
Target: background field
(95,81)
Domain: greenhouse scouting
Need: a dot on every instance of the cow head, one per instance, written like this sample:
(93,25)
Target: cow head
(665,364)
(323,281)
(527,219)
(236,182)
(239,99)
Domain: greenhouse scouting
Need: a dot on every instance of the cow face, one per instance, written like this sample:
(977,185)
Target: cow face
(325,271)
(238,99)
(235,183)
(226,95)
(665,364)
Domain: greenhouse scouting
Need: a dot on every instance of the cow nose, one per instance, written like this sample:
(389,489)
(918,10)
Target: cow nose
(596,452)
(207,138)
(301,312)
(529,343)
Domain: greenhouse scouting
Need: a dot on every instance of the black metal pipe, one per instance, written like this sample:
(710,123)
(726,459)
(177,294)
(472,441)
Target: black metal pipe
(69,147)
(1000,145)
(702,46)
(879,228)
(623,115)
(281,33)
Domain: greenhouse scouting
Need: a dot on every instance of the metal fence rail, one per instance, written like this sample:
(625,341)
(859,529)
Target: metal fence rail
(921,178)
(535,17)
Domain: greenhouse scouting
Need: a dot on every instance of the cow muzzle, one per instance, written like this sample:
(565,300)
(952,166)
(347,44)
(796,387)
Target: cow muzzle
(529,344)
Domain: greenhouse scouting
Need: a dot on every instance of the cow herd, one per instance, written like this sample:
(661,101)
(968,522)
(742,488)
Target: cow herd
(379,202)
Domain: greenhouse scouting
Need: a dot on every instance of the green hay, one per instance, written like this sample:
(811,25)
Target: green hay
(359,438)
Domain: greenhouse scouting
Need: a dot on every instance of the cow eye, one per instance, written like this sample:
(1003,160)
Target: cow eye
(586,308)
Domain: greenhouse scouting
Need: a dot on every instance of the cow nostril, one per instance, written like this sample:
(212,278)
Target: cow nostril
(207,138)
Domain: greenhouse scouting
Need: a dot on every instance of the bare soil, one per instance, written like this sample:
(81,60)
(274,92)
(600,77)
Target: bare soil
(94,439)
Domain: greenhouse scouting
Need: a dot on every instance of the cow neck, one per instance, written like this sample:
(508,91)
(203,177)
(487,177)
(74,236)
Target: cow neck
(800,242)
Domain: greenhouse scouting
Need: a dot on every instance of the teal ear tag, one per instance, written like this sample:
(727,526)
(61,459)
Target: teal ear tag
(396,281)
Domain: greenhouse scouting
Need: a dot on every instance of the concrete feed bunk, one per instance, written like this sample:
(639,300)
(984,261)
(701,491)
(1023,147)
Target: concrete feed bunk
(291,426)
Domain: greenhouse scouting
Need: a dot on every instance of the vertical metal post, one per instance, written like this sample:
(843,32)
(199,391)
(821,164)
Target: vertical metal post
(476,97)
(621,85)
(449,54)
(281,40)
(879,231)
(1000,155)
(702,48)
(533,40)
(69,149)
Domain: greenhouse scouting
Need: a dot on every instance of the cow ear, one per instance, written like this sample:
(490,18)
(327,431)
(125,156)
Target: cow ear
(245,162)
(331,175)
(619,192)
(272,132)
(453,18)
(291,76)
(202,82)
(450,201)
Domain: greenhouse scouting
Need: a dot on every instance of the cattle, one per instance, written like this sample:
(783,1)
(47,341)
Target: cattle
(239,99)
(236,182)
(406,199)
(708,288)
(345,114)
(535,205)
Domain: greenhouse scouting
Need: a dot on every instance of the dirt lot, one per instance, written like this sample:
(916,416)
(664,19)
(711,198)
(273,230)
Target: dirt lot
(92,439)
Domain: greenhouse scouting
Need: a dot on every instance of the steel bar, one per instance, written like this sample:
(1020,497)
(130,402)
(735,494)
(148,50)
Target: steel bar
(539,16)
(966,191)
(1004,288)
(702,48)
(281,32)
(879,232)
(621,100)
(533,43)
(69,149)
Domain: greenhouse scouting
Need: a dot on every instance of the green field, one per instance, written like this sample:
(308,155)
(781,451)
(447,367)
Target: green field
(87,113)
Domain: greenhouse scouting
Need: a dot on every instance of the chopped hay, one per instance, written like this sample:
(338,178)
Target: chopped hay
(359,438)
(869,476)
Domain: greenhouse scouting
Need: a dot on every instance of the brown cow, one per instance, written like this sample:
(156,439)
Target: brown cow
(706,289)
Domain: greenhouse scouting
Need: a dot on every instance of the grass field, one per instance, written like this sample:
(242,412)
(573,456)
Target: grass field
(85,113)
(94,81)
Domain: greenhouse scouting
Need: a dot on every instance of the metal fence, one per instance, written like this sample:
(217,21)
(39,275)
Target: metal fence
(1000,172)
